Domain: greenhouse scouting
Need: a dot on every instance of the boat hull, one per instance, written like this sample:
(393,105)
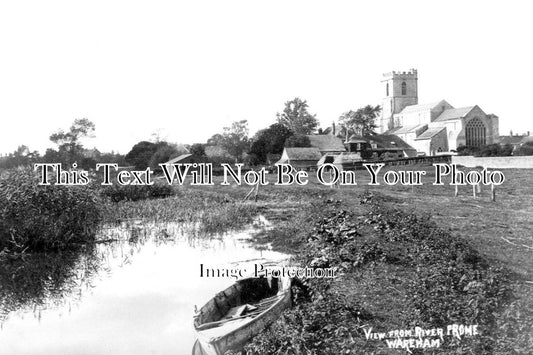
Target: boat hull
(212,343)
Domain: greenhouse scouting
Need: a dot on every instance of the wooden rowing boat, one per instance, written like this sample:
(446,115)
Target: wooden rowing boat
(239,313)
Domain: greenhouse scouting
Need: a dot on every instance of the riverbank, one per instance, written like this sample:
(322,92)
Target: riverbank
(418,257)
(411,259)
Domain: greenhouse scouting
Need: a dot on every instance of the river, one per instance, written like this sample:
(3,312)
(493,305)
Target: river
(133,296)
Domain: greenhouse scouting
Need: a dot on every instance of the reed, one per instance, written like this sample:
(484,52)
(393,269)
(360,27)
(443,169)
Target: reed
(36,218)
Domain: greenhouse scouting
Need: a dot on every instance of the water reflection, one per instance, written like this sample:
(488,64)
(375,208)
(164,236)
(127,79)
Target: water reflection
(135,295)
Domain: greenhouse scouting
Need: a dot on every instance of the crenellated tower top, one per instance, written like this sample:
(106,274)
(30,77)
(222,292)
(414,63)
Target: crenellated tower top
(400,89)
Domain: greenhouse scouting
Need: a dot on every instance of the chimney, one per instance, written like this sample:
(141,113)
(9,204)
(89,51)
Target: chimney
(333,128)
(346,140)
(528,133)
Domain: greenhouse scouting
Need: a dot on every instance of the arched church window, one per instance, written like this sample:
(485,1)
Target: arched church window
(475,133)
(387,89)
(404,88)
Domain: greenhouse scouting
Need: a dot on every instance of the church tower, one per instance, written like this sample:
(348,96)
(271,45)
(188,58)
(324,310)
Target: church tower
(400,89)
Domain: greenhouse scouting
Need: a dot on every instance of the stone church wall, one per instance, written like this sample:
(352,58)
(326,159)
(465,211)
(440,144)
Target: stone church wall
(439,141)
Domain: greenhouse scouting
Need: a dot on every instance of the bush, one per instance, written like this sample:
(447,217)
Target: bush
(525,149)
(38,217)
(490,150)
(137,192)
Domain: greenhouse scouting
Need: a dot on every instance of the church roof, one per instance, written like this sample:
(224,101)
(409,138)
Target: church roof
(409,129)
(454,113)
(423,107)
(326,143)
(430,133)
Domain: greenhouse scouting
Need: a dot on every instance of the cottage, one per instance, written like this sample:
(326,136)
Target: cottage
(384,145)
(327,144)
(305,158)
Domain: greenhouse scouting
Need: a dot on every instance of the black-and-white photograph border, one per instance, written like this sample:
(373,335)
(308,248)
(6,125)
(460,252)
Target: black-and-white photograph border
(282,177)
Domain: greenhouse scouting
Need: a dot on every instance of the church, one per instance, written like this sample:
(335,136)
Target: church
(431,128)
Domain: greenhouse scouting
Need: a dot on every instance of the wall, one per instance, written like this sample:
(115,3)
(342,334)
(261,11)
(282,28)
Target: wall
(521,162)
(440,140)
(422,146)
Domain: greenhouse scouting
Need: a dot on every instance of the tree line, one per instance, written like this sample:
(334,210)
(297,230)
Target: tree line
(290,129)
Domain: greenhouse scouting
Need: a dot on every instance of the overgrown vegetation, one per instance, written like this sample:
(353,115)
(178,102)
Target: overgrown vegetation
(209,213)
(490,150)
(34,217)
(118,192)
(400,270)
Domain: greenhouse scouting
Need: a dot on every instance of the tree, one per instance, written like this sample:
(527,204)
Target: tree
(235,139)
(216,139)
(296,118)
(525,148)
(361,122)
(197,149)
(112,157)
(20,157)
(298,141)
(164,153)
(140,154)
(69,143)
(270,140)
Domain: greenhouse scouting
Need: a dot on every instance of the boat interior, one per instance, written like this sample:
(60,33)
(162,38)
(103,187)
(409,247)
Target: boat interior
(245,298)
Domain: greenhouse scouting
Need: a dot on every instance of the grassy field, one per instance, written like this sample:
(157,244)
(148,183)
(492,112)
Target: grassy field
(488,225)
(496,236)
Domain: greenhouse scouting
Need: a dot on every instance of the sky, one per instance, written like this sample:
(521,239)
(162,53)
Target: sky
(186,69)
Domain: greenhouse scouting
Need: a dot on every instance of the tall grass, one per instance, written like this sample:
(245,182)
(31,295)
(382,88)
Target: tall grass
(210,213)
(399,270)
(137,192)
(34,217)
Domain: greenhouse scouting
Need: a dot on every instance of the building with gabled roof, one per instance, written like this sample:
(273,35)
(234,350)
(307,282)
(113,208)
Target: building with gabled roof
(454,113)
(300,157)
(433,141)
(392,144)
(327,144)
(434,127)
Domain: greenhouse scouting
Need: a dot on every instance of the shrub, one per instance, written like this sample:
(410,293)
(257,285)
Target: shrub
(490,150)
(525,149)
(137,192)
(38,217)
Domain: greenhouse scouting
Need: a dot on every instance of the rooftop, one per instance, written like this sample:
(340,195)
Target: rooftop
(326,143)
(424,107)
(389,141)
(303,153)
(430,132)
(454,113)
(409,129)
